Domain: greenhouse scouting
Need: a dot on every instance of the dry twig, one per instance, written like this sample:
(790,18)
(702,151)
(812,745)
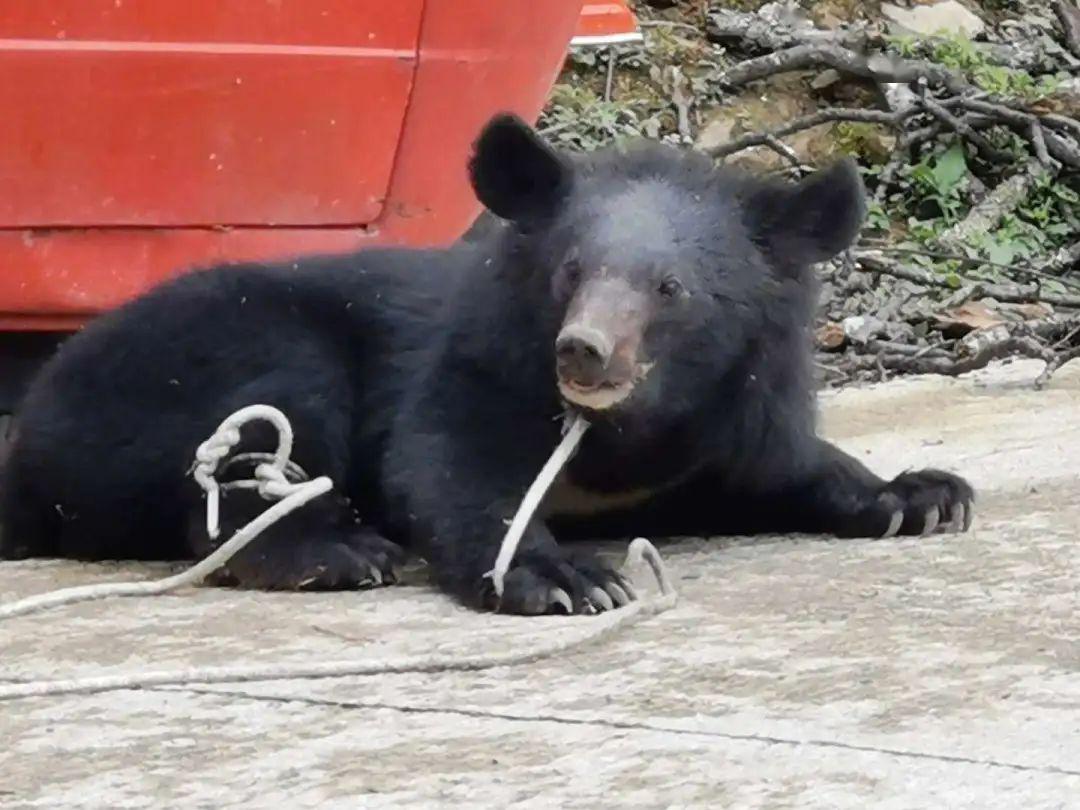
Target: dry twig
(1069,16)
(879,67)
(975,351)
(807,122)
(1058,146)
(999,202)
(875,262)
(742,29)
(965,129)
(1058,261)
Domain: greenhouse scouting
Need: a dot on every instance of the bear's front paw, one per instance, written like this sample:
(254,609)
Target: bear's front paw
(541,583)
(348,561)
(924,502)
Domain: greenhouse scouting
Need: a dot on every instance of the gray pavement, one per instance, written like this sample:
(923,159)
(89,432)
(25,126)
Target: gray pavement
(795,672)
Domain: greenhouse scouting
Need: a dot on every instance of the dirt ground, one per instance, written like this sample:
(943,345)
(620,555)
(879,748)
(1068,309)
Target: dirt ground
(795,672)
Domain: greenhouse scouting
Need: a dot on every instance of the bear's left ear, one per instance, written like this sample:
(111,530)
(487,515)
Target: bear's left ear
(515,174)
(813,220)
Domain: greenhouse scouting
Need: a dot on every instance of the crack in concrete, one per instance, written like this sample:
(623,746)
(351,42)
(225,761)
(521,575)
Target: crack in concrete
(625,725)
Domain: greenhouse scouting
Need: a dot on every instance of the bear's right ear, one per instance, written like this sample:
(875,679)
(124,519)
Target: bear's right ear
(515,174)
(815,219)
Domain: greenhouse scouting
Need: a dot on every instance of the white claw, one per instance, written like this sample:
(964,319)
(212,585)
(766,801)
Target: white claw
(894,525)
(930,522)
(600,598)
(969,517)
(959,519)
(557,596)
(621,597)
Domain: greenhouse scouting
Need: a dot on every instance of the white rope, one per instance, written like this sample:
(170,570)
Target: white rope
(599,628)
(269,479)
(272,481)
(574,429)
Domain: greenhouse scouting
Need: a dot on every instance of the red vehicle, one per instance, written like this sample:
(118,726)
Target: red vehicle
(141,138)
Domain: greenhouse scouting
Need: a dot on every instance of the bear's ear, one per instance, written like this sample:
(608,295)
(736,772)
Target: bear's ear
(515,174)
(815,219)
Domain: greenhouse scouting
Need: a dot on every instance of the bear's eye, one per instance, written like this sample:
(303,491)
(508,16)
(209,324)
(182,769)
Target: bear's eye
(568,277)
(572,271)
(670,287)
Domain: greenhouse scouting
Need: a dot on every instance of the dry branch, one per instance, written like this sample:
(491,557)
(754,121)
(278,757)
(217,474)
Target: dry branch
(966,130)
(763,33)
(1069,16)
(975,351)
(1060,260)
(1063,259)
(875,262)
(1058,146)
(925,100)
(995,348)
(997,204)
(807,122)
(881,68)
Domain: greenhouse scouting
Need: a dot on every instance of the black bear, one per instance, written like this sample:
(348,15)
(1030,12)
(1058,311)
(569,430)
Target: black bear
(666,299)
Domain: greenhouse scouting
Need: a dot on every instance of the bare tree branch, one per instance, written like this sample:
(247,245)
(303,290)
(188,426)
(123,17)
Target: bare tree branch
(1053,365)
(879,67)
(809,121)
(875,262)
(1063,259)
(785,151)
(1058,146)
(1069,16)
(1010,346)
(1057,262)
(989,211)
(763,33)
(1062,121)
(965,129)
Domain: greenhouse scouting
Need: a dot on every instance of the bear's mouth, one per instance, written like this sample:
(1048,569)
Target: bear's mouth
(605,394)
(595,397)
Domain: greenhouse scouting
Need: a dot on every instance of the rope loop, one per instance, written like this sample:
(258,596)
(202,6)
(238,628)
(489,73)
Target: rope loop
(277,477)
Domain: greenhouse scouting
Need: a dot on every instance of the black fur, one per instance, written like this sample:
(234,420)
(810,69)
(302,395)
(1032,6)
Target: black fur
(423,383)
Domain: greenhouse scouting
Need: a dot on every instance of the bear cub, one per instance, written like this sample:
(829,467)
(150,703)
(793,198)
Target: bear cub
(667,300)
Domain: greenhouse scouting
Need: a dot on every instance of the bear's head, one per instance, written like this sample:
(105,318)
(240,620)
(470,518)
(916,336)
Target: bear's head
(659,267)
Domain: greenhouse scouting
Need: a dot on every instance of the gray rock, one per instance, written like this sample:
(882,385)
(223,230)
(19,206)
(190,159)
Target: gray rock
(861,328)
(948,17)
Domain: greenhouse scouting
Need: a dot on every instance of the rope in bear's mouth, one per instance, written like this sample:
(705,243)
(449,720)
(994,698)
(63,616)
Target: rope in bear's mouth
(278,478)
(607,393)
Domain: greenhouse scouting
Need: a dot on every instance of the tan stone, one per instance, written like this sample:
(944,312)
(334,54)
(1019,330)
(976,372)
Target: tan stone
(947,16)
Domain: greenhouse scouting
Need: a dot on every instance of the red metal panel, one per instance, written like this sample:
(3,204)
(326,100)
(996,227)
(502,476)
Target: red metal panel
(476,57)
(201,112)
(61,277)
(375,23)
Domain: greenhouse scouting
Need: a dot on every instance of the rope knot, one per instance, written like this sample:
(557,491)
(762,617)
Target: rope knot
(275,478)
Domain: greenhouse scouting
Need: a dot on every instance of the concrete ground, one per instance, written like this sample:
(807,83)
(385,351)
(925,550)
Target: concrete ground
(795,672)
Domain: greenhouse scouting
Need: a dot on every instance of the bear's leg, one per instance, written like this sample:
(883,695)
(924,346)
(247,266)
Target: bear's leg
(462,527)
(456,484)
(543,578)
(845,499)
(322,545)
(318,547)
(838,496)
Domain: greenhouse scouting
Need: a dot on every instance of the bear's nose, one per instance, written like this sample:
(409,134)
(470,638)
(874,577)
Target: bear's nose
(583,354)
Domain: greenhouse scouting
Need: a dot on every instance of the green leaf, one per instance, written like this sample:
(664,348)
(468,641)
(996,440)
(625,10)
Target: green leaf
(921,173)
(950,168)
(1001,253)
